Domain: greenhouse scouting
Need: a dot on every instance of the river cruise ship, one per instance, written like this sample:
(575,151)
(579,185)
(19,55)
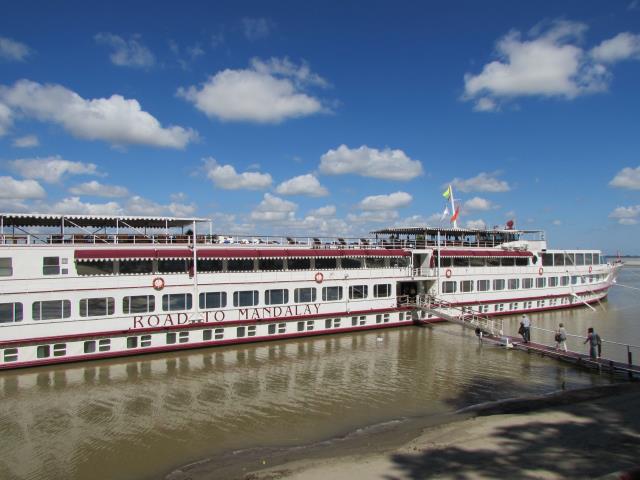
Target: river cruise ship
(84,287)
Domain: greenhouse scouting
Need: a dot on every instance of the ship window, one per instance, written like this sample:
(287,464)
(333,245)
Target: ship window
(51,265)
(460,262)
(51,310)
(507,262)
(588,259)
(300,326)
(310,324)
(558,259)
(299,264)
(351,262)
(541,282)
(400,262)
(243,265)
(553,281)
(245,298)
(59,349)
(326,263)
(498,307)
(375,262)
(10,312)
(575,280)
(176,301)
(379,318)
(358,291)
(271,329)
(132,342)
(136,266)
(251,331)
(328,323)
(271,264)
(564,281)
(513,283)
(382,290)
(579,258)
(569,259)
(445,262)
(449,287)
(10,355)
(171,337)
(493,262)
(209,265)
(282,327)
(522,262)
(483,285)
(139,304)
(218,333)
(304,295)
(173,266)
(466,286)
(241,331)
(596,258)
(213,300)
(330,294)
(6,267)
(547,259)
(93,307)
(498,284)
(104,345)
(183,337)
(276,297)
(477,262)
(43,351)
(95,268)
(207,335)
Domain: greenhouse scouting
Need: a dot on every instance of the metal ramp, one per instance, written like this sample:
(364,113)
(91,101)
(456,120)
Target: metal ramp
(462,315)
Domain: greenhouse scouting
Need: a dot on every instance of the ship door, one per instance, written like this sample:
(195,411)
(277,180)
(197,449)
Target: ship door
(407,292)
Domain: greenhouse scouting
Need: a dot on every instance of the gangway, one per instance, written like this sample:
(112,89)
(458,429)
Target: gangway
(465,316)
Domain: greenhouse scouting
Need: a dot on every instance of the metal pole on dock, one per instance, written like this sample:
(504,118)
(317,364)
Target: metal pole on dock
(630,361)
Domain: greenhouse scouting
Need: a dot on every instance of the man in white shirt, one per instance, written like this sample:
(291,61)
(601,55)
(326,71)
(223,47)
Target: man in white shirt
(526,328)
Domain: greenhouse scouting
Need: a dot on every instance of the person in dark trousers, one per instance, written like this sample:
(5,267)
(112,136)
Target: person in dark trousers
(525,328)
(595,344)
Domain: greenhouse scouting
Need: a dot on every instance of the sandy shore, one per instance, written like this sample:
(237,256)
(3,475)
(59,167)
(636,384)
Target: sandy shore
(576,434)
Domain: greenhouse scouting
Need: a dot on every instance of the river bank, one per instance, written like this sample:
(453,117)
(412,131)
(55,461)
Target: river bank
(585,433)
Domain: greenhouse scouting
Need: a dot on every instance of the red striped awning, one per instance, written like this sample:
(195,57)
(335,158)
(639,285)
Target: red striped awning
(485,253)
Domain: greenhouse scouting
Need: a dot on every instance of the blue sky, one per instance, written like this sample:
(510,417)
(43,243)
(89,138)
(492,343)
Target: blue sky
(327,118)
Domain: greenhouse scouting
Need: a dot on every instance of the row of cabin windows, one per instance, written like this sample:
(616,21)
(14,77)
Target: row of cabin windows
(464,262)
(466,286)
(569,259)
(103,306)
(234,265)
(176,338)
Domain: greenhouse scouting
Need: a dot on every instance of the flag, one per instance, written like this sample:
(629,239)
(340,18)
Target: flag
(455,215)
(447,193)
(445,213)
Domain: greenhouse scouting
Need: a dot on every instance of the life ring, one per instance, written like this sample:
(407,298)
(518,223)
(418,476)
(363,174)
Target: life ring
(319,277)
(158,283)
(590,269)
(448,273)
(540,271)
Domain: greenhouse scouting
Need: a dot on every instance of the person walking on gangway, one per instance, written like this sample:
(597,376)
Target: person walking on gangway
(525,328)
(595,344)
(561,337)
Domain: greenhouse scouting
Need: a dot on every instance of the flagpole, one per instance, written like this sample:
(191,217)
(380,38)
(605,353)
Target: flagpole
(453,207)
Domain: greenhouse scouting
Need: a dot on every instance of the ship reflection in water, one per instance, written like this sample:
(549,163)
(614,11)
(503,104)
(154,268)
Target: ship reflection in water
(141,417)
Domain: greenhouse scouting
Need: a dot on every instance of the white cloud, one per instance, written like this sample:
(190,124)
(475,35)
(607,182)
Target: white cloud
(27,141)
(377,216)
(483,182)
(226,177)
(51,169)
(386,202)
(13,205)
(13,189)
(626,215)
(126,53)
(557,223)
(623,46)
(267,92)
(550,63)
(476,224)
(13,50)
(115,119)
(256,28)
(186,56)
(485,104)
(6,119)
(478,203)
(73,205)
(326,211)
(302,185)
(274,209)
(627,178)
(370,162)
(98,189)
(138,205)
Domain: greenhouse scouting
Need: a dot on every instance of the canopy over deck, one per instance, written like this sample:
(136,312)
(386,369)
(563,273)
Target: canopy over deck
(93,221)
